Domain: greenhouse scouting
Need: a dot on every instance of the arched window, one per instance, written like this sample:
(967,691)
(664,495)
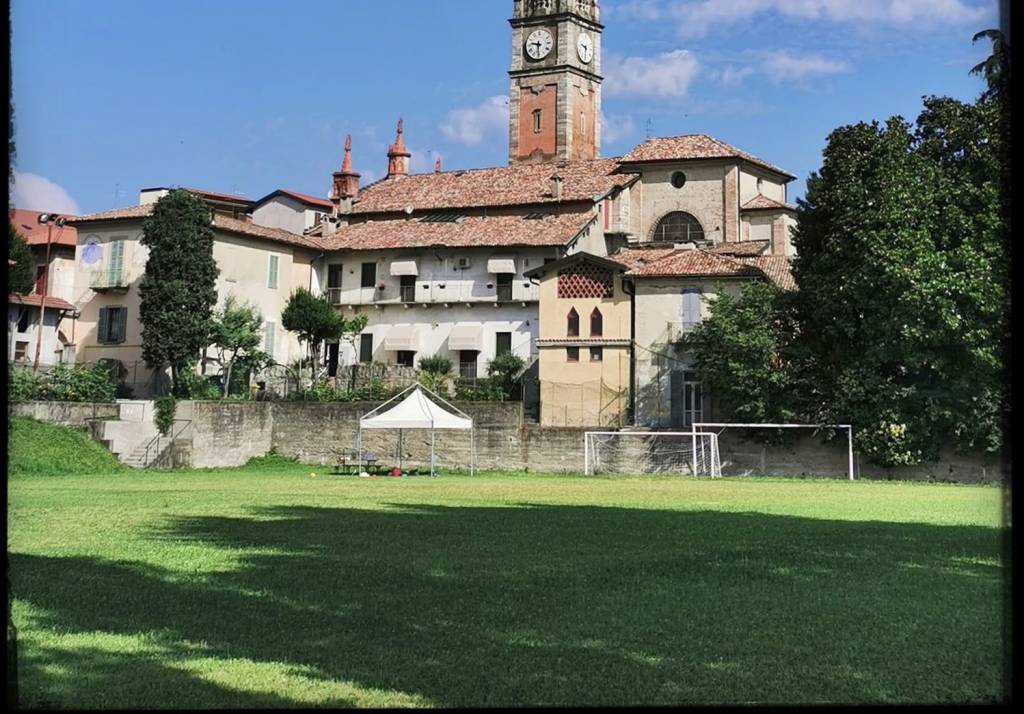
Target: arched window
(573,326)
(596,323)
(678,227)
(536,121)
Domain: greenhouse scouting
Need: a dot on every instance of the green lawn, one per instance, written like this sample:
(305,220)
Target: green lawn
(266,586)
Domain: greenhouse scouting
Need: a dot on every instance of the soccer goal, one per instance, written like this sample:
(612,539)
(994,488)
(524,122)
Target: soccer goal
(652,452)
(720,428)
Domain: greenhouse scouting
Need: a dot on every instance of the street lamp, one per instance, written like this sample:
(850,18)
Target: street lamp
(47,219)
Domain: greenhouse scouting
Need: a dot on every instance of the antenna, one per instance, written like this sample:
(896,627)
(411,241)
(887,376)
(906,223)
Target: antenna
(648,127)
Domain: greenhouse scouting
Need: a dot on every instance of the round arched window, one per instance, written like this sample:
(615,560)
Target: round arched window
(678,227)
(678,179)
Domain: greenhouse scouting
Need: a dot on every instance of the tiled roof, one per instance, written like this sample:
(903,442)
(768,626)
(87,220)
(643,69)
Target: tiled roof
(635,258)
(223,223)
(35,300)
(214,195)
(695,262)
(692,146)
(778,269)
(761,202)
(473,231)
(746,247)
(516,185)
(27,224)
(301,197)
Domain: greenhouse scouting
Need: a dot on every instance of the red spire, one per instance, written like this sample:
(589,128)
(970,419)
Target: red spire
(398,155)
(437,165)
(346,181)
(346,165)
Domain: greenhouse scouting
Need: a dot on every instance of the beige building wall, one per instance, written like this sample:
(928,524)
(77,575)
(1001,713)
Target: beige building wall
(702,197)
(753,181)
(583,393)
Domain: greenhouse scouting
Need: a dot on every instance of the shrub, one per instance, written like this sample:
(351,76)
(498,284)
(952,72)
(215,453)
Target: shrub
(437,364)
(63,384)
(163,416)
(483,390)
(504,371)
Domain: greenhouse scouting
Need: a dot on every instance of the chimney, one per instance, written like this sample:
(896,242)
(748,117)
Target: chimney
(437,165)
(398,155)
(346,182)
(556,187)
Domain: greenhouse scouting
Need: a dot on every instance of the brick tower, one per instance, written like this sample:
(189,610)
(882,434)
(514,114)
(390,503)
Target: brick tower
(555,97)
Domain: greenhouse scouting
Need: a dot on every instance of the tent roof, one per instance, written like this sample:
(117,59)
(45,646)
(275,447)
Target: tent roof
(415,411)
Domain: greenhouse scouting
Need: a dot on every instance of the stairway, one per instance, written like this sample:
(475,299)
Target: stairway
(128,436)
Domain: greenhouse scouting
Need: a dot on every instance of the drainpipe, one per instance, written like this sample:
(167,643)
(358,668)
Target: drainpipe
(631,291)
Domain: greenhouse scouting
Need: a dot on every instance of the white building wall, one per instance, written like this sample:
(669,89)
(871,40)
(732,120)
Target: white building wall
(770,186)
(50,348)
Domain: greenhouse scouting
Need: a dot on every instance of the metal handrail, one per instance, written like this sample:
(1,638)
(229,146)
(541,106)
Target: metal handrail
(156,441)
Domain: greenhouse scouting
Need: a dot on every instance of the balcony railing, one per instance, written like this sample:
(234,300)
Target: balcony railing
(107,279)
(467,370)
(334,296)
(503,293)
(407,293)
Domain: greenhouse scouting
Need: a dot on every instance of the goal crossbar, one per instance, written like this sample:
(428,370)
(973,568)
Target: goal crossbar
(734,425)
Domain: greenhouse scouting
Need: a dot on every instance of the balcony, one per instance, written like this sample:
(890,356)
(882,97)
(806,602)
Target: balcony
(107,280)
(407,293)
(334,296)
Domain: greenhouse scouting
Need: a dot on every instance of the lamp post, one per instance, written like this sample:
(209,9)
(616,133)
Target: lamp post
(47,219)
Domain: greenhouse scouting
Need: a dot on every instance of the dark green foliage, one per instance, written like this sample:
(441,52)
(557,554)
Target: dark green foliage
(322,391)
(482,390)
(21,277)
(236,332)
(164,411)
(35,447)
(995,69)
(313,319)
(269,462)
(504,371)
(178,290)
(62,384)
(197,386)
(436,364)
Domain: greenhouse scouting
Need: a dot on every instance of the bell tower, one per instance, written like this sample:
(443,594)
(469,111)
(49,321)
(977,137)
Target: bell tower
(555,95)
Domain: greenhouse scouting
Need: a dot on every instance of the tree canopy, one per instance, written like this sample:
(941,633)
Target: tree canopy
(178,290)
(21,277)
(236,332)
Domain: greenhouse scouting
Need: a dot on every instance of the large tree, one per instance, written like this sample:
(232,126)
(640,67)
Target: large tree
(178,291)
(21,277)
(314,321)
(236,333)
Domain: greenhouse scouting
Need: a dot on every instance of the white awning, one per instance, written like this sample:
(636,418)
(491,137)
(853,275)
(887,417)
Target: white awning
(402,338)
(466,337)
(416,412)
(501,264)
(404,267)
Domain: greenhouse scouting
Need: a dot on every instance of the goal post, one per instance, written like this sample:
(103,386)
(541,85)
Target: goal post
(652,452)
(700,426)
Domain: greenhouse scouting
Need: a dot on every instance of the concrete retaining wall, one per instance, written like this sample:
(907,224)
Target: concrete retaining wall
(76,414)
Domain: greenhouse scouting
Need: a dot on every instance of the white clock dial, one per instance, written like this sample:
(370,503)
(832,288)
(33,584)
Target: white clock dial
(539,44)
(585,48)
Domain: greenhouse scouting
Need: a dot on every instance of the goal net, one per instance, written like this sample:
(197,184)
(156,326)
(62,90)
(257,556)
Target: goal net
(687,453)
(815,450)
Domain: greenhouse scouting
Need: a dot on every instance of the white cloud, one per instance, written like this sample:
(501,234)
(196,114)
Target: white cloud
(666,75)
(645,10)
(696,18)
(614,128)
(470,125)
(422,161)
(734,76)
(781,66)
(37,193)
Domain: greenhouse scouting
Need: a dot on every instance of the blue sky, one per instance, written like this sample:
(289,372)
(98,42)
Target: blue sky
(111,96)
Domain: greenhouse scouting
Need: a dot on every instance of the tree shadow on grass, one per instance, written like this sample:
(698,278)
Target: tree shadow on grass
(561,605)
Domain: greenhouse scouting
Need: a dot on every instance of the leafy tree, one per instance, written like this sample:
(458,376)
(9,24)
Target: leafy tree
(995,69)
(504,370)
(178,291)
(434,370)
(314,320)
(350,334)
(21,277)
(236,332)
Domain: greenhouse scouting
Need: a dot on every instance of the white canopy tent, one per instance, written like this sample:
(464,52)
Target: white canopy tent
(411,409)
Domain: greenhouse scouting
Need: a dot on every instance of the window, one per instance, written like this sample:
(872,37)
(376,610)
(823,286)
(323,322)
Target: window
(366,348)
(112,324)
(406,358)
(23,321)
(690,314)
(536,121)
(572,354)
(369,275)
(268,338)
(407,290)
(679,227)
(272,269)
(596,323)
(572,328)
(678,179)
(693,401)
(502,343)
(115,268)
(334,274)
(20,350)
(504,287)
(467,364)
(597,354)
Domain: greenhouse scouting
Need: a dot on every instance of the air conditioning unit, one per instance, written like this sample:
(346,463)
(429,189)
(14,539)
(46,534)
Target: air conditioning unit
(462,263)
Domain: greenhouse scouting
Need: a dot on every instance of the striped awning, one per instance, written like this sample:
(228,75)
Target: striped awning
(501,264)
(466,337)
(402,338)
(400,268)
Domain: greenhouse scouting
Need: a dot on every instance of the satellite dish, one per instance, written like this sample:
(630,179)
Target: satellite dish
(93,250)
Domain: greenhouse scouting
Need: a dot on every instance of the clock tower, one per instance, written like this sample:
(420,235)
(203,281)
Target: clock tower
(555,97)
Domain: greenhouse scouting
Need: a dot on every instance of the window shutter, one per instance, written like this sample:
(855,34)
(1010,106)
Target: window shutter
(116,261)
(104,327)
(119,321)
(691,307)
(268,338)
(272,272)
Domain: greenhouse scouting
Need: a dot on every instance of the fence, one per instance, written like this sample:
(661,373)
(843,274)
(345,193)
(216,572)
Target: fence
(593,403)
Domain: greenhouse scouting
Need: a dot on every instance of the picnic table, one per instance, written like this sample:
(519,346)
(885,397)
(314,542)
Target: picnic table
(349,462)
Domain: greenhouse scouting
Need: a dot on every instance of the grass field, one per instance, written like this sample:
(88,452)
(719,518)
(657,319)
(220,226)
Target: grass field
(267,586)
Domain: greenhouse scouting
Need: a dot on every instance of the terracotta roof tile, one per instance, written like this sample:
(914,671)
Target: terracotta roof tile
(778,269)
(35,300)
(223,223)
(635,258)
(473,231)
(27,224)
(695,262)
(761,202)
(301,197)
(692,146)
(743,248)
(520,184)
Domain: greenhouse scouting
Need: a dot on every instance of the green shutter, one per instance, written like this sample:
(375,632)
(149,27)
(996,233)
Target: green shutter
(103,333)
(116,261)
(272,272)
(119,323)
(268,338)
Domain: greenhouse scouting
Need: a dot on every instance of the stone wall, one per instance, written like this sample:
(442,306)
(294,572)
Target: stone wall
(226,433)
(76,414)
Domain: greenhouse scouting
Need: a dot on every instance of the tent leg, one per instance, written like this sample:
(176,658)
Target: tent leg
(400,450)
(472,451)
(359,447)
(432,432)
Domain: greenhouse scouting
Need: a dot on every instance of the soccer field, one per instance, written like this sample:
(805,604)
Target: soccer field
(269,586)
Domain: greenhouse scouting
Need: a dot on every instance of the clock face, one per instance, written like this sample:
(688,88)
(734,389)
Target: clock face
(585,48)
(539,44)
